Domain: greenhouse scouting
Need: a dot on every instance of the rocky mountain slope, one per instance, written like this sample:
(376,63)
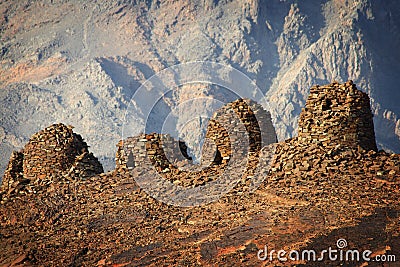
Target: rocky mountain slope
(80,62)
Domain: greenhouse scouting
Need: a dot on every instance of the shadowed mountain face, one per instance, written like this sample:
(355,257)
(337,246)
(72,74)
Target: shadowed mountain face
(80,63)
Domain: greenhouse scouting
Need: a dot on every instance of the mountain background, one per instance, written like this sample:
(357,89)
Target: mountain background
(80,62)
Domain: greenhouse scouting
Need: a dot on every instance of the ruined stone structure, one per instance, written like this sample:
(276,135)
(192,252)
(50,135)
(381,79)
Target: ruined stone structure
(336,125)
(14,172)
(337,114)
(163,150)
(217,147)
(50,155)
(257,123)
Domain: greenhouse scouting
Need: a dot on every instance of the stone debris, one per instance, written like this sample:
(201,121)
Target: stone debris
(314,193)
(52,154)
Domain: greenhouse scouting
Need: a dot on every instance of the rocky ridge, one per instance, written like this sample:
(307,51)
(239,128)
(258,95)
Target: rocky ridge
(314,193)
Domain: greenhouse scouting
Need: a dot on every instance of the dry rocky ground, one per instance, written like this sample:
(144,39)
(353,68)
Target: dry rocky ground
(80,62)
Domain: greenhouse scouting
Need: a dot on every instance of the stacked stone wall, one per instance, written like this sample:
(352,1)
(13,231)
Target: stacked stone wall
(337,114)
(52,154)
